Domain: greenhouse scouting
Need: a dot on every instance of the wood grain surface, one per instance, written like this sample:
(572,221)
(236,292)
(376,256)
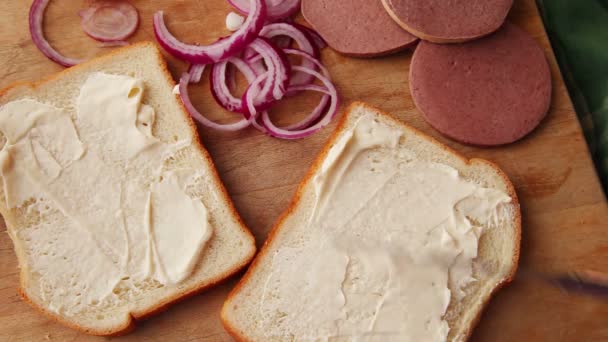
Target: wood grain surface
(565,214)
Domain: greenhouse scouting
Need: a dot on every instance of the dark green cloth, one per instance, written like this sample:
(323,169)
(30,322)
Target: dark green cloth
(578,30)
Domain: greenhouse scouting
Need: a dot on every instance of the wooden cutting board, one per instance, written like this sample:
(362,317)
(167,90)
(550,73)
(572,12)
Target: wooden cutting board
(565,214)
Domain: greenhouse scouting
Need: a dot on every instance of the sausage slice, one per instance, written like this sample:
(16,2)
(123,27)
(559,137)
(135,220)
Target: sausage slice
(448,21)
(359,28)
(487,92)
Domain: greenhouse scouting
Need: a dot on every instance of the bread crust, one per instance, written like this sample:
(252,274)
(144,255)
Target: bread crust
(234,332)
(165,303)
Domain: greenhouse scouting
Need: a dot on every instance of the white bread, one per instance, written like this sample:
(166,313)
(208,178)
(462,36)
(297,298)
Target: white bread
(230,248)
(498,247)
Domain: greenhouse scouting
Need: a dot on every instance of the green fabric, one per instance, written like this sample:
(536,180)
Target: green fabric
(578,30)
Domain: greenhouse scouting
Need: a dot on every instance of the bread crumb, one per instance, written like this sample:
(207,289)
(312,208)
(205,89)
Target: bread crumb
(47,337)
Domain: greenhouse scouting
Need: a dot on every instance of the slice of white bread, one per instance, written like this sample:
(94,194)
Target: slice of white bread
(495,265)
(231,246)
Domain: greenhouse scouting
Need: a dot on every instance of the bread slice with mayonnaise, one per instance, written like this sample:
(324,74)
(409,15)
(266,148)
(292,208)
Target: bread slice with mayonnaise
(114,207)
(391,236)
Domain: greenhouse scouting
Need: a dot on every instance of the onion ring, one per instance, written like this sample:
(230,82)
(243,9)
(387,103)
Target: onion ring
(330,90)
(219,50)
(109,21)
(231,127)
(36,18)
(219,88)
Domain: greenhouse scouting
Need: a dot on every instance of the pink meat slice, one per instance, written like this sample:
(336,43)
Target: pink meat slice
(449,20)
(356,27)
(487,92)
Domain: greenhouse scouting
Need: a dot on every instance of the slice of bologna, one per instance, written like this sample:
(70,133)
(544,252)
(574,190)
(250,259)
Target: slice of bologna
(448,21)
(359,28)
(487,92)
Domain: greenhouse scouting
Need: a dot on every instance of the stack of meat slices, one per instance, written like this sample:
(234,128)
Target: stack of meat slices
(476,78)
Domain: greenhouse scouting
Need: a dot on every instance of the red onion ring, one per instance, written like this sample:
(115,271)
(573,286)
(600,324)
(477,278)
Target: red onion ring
(259,68)
(305,43)
(330,90)
(316,113)
(231,127)
(281,42)
(219,50)
(110,21)
(250,94)
(277,9)
(36,18)
(219,87)
(310,58)
(278,69)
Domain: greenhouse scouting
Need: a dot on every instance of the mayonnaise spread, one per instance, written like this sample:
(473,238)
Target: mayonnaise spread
(390,241)
(107,218)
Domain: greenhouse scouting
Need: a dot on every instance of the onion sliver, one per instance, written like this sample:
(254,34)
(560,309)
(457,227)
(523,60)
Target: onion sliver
(183,89)
(219,50)
(220,89)
(248,103)
(276,9)
(311,58)
(110,21)
(196,72)
(276,82)
(304,41)
(329,89)
(281,42)
(249,97)
(36,18)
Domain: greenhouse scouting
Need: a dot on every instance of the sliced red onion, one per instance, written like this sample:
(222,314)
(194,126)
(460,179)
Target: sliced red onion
(36,18)
(305,43)
(310,58)
(110,21)
(196,72)
(328,88)
(278,69)
(281,42)
(219,50)
(301,37)
(316,113)
(220,89)
(277,9)
(257,64)
(252,94)
(183,89)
